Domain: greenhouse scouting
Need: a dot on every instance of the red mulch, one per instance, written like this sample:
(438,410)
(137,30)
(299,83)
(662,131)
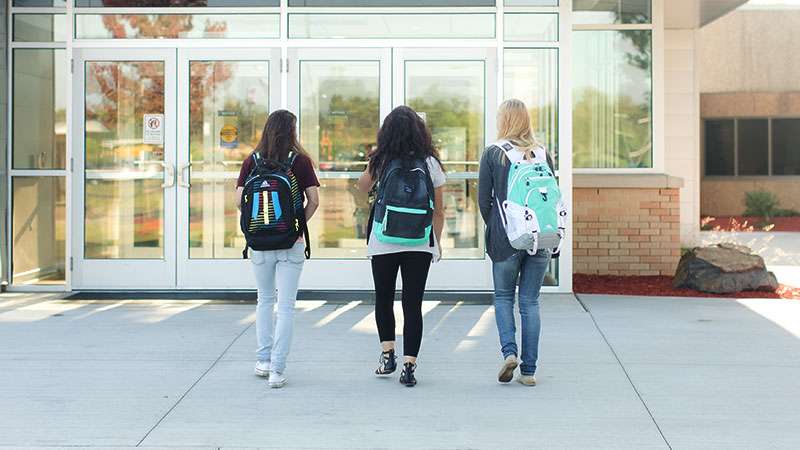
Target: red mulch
(743,223)
(661,286)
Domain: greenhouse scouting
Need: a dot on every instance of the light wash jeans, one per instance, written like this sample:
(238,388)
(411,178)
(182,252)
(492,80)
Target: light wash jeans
(530,271)
(276,269)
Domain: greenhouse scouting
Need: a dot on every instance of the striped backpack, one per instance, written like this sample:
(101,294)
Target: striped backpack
(273,215)
(533,214)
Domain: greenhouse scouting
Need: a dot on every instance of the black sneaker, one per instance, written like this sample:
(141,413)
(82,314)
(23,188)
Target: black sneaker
(387,364)
(407,375)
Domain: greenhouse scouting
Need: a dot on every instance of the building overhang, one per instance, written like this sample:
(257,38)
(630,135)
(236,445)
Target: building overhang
(697,13)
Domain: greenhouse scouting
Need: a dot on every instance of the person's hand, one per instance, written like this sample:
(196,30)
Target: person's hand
(439,257)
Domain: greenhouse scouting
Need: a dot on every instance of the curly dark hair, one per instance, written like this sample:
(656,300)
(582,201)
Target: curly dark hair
(402,135)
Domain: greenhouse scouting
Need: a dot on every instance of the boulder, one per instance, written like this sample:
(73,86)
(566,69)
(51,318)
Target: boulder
(724,269)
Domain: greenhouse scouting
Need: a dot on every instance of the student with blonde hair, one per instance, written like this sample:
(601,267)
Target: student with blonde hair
(525,220)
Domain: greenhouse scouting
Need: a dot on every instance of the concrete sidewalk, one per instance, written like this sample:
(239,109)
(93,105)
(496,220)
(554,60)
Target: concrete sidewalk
(615,372)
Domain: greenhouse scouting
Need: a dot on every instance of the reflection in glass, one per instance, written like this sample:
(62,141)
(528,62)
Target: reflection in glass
(530,27)
(39,128)
(40,28)
(531,2)
(611,11)
(450,96)
(38,230)
(124,200)
(753,146)
(177,26)
(339,112)
(174,3)
(42,3)
(391,26)
(612,99)
(786,146)
(228,104)
(719,147)
(399,3)
(531,75)
(340,228)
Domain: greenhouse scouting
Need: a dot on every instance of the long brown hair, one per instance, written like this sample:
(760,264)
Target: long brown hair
(403,135)
(279,137)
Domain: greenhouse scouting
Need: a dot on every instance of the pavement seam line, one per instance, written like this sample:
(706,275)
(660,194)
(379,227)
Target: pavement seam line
(625,371)
(200,378)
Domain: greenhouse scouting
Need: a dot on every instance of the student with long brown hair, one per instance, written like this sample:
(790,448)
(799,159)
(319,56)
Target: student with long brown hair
(277,265)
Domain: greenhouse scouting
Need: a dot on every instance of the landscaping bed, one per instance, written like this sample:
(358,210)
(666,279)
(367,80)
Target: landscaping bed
(661,286)
(750,223)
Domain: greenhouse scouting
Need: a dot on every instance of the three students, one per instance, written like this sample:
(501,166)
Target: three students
(407,217)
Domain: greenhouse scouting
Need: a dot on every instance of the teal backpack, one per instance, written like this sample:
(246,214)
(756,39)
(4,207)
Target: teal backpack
(533,214)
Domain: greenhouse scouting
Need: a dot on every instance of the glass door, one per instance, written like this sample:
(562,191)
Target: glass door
(124,169)
(224,99)
(455,91)
(340,97)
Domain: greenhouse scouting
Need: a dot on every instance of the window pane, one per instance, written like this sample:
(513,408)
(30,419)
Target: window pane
(39,230)
(398,26)
(611,11)
(228,104)
(786,147)
(175,3)
(339,112)
(531,2)
(450,96)
(45,3)
(612,95)
(719,143)
(40,27)
(398,3)
(39,121)
(177,26)
(531,75)
(531,27)
(753,147)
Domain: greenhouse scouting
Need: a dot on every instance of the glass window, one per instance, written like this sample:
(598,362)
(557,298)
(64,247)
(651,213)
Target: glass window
(397,26)
(611,11)
(786,146)
(398,3)
(228,104)
(39,120)
(40,27)
(173,3)
(753,146)
(530,27)
(719,144)
(177,26)
(450,97)
(124,199)
(531,2)
(43,3)
(612,99)
(339,112)
(531,75)
(38,230)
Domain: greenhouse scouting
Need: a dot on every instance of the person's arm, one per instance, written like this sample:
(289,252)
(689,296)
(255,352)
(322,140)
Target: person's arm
(438,214)
(486,186)
(312,201)
(365,181)
(239,190)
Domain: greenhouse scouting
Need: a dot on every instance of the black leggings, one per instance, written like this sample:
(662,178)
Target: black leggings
(414,270)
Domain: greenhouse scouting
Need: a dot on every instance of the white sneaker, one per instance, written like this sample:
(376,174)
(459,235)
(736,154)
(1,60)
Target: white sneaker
(527,380)
(262,369)
(507,371)
(276,379)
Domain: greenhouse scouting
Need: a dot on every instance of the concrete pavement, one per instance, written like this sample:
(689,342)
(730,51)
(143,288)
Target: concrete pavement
(615,372)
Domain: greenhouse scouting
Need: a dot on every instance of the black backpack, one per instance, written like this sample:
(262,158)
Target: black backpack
(403,209)
(273,215)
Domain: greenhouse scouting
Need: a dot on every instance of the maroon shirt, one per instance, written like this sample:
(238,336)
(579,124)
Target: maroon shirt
(302,167)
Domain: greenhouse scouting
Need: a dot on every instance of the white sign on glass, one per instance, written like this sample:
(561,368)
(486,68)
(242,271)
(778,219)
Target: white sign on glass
(153,129)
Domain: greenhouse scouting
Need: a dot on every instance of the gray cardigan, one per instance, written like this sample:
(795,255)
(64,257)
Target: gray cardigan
(492,188)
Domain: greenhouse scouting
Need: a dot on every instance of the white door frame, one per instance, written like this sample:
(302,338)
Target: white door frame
(122,273)
(211,273)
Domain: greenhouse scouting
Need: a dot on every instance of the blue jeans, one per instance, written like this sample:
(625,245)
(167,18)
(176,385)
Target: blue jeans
(530,271)
(276,270)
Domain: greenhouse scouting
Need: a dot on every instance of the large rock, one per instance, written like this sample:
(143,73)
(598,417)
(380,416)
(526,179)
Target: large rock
(724,269)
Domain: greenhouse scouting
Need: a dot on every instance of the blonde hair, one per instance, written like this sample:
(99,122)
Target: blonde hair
(514,125)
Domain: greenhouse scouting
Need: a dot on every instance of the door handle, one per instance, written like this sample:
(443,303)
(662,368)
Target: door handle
(183,181)
(169,175)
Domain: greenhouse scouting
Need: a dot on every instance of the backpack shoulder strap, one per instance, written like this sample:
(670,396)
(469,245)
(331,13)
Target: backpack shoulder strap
(292,157)
(503,145)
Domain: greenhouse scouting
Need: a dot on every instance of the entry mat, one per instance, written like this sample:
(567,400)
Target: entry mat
(446,297)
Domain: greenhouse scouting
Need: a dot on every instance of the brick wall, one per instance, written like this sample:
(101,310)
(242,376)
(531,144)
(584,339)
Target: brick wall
(626,231)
